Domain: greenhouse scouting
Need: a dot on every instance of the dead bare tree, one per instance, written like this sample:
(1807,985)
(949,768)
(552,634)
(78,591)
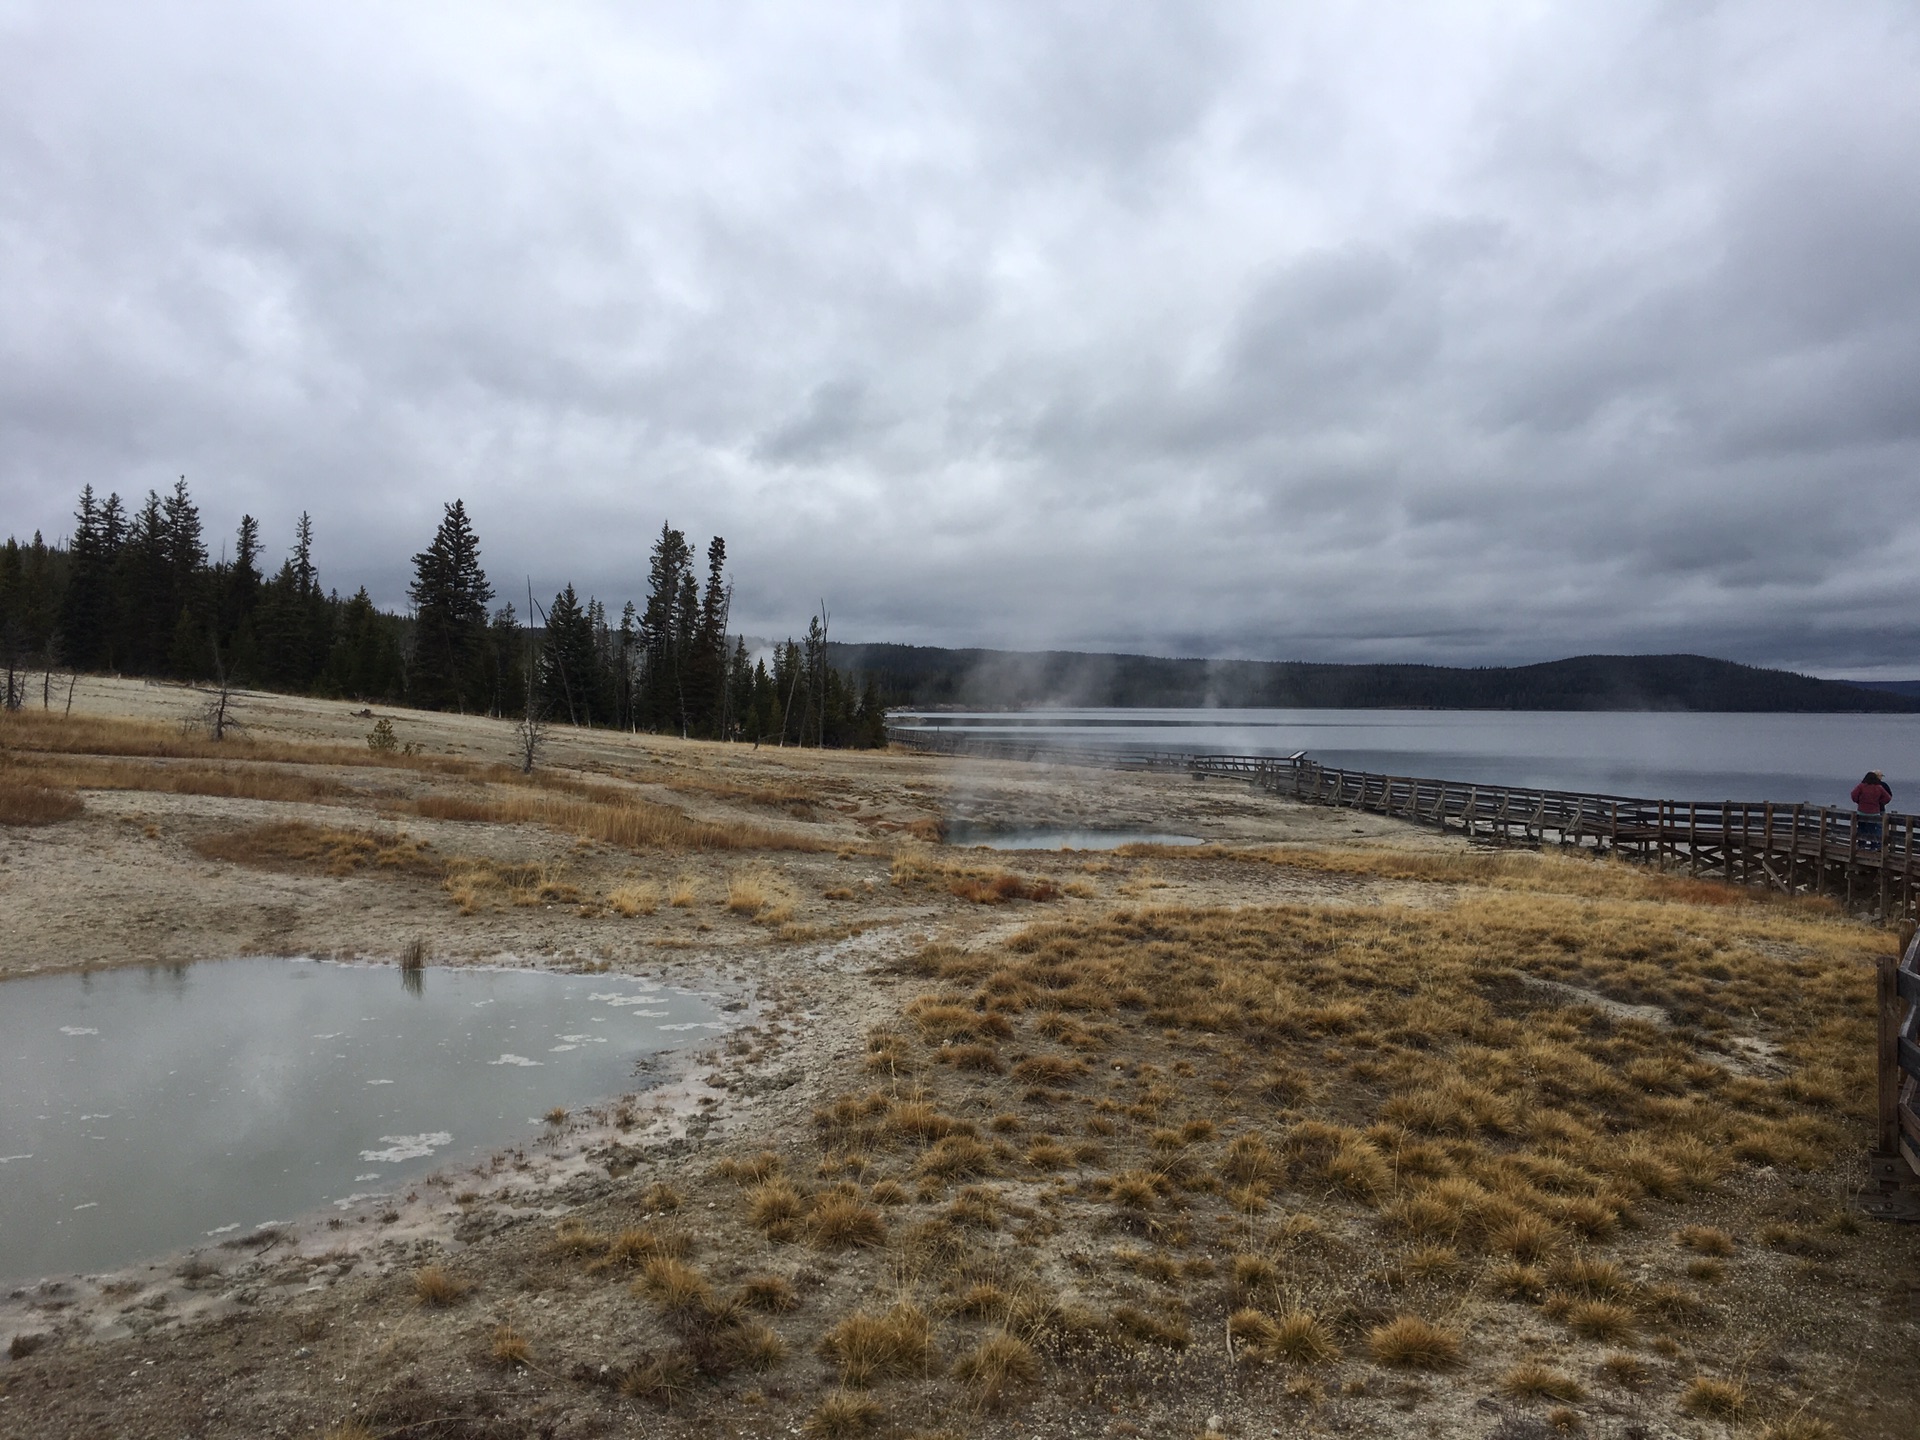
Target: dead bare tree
(217,715)
(530,730)
(820,675)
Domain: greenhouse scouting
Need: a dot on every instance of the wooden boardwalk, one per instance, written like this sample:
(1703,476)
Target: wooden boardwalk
(1795,849)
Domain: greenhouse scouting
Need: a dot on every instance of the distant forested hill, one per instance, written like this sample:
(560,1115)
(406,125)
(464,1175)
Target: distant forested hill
(991,679)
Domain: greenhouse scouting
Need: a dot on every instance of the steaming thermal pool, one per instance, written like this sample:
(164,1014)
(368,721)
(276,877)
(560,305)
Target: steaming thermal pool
(982,837)
(146,1109)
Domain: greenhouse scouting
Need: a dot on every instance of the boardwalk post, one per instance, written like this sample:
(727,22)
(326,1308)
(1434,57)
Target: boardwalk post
(1693,838)
(1889,1063)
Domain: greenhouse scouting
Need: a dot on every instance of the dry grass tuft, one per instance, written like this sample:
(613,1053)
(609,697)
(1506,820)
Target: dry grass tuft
(667,1379)
(436,1287)
(510,1349)
(1799,1427)
(1629,1372)
(998,1362)
(842,1415)
(770,1293)
(1721,1399)
(839,1221)
(661,1197)
(1533,1381)
(635,898)
(676,1287)
(1705,1240)
(1600,1320)
(1411,1343)
(873,1347)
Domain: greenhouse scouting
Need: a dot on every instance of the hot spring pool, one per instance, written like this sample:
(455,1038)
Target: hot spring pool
(146,1109)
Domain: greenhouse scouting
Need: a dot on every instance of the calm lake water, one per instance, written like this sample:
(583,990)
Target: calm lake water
(1815,759)
(146,1109)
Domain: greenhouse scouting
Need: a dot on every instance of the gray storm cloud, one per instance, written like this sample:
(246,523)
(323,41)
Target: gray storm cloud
(1440,333)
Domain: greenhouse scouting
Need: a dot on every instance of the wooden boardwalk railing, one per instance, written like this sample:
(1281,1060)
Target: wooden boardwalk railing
(1813,849)
(1900,1053)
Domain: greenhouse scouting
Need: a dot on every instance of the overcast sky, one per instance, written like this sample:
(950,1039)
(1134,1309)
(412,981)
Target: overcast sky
(1459,332)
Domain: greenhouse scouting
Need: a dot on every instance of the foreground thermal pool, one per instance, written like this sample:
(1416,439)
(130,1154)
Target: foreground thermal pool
(146,1109)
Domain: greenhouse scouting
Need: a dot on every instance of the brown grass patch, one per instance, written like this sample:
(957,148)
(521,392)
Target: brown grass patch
(24,802)
(439,1288)
(612,816)
(872,1347)
(1411,1343)
(296,845)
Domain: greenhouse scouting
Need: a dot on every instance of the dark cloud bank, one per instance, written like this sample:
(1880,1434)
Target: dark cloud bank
(1319,332)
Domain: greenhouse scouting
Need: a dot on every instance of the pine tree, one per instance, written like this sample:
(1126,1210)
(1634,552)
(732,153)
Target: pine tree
(568,664)
(660,630)
(450,595)
(86,605)
(144,591)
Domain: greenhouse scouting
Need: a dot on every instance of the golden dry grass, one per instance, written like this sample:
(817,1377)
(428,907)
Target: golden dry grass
(982,885)
(295,844)
(32,802)
(436,1287)
(610,816)
(1411,1343)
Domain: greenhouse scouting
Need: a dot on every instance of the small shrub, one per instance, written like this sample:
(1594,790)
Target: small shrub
(25,803)
(436,1287)
(1411,1343)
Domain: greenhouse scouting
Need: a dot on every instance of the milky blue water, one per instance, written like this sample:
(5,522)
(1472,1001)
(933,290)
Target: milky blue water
(1044,838)
(147,1109)
(1815,759)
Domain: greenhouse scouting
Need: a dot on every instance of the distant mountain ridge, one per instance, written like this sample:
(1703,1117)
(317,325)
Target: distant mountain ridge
(928,676)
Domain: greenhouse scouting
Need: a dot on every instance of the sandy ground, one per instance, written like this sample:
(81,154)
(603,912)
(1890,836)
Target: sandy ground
(287,1333)
(122,885)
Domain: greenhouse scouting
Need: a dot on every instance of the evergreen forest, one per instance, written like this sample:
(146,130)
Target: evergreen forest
(134,592)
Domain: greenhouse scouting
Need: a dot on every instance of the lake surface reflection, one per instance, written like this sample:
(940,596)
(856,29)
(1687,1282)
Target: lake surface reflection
(146,1109)
(1814,759)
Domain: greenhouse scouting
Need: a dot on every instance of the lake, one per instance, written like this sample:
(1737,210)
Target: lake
(151,1108)
(1815,759)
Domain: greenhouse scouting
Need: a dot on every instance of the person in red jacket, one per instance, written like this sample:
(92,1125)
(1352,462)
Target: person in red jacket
(1871,797)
